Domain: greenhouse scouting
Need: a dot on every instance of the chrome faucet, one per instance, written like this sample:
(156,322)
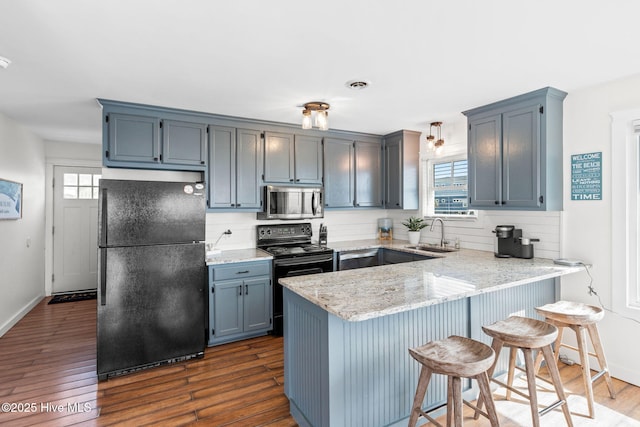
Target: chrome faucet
(433,223)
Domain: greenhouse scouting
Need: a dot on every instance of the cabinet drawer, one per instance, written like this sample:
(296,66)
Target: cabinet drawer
(240,270)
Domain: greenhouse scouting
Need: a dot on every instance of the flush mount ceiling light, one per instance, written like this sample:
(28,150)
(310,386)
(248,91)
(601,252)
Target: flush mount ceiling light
(321,115)
(4,62)
(435,142)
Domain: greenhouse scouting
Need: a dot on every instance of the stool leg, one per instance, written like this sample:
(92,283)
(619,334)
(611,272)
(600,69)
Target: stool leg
(450,405)
(496,345)
(456,386)
(557,382)
(556,345)
(602,361)
(581,335)
(485,391)
(513,352)
(421,390)
(531,384)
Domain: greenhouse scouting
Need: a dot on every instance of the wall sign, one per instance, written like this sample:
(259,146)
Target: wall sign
(586,176)
(10,199)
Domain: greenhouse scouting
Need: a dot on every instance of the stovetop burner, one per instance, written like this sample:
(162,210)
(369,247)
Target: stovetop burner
(286,250)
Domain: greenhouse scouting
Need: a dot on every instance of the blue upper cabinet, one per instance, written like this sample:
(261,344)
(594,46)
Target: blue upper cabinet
(292,159)
(133,138)
(402,152)
(235,168)
(184,143)
(144,138)
(515,152)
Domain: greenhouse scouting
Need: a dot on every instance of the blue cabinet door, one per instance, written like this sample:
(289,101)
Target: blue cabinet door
(339,173)
(257,303)
(222,167)
(228,316)
(307,159)
(278,158)
(184,143)
(133,138)
(520,157)
(248,169)
(368,173)
(484,160)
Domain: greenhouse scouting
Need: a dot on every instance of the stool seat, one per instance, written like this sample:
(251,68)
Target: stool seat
(582,319)
(459,356)
(456,357)
(574,313)
(527,335)
(522,332)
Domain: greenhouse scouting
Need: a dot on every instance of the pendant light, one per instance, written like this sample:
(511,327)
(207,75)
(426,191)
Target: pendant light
(435,142)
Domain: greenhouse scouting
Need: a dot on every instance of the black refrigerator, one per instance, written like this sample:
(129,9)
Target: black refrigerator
(152,274)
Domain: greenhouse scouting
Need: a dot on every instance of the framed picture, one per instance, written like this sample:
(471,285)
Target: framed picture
(10,199)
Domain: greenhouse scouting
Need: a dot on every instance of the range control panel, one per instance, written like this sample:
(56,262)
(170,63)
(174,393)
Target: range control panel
(284,232)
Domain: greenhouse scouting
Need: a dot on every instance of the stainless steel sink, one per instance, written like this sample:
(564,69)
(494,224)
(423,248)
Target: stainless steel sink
(429,248)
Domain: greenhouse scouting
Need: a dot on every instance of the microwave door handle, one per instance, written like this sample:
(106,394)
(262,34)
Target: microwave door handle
(314,207)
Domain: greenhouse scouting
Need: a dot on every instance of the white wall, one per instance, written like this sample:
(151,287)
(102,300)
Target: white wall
(22,245)
(586,225)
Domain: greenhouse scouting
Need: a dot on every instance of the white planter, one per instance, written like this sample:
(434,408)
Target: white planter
(414,237)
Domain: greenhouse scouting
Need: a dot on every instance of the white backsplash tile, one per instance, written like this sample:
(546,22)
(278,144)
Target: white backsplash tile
(363,224)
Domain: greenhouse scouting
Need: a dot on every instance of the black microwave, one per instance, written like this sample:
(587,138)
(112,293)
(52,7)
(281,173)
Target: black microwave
(292,203)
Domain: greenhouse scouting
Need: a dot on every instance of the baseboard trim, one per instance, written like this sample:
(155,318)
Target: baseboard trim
(19,315)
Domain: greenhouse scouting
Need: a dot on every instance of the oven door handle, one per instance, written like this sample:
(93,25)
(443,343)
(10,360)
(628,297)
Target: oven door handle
(303,260)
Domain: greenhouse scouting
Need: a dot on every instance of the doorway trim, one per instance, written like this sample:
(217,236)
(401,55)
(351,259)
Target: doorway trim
(51,163)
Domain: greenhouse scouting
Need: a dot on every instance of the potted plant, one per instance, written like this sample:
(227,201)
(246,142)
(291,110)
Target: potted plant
(414,225)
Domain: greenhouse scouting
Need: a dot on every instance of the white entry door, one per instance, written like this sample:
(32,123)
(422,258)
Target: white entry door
(75,232)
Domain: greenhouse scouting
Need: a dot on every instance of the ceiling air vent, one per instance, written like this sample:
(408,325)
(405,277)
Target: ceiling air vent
(357,84)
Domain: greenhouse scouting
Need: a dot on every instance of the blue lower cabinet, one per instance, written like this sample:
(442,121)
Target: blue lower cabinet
(239,301)
(343,373)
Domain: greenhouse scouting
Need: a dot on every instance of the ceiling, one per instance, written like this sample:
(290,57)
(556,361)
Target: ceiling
(425,60)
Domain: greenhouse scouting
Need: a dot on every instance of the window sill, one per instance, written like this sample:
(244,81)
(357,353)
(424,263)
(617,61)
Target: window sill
(470,217)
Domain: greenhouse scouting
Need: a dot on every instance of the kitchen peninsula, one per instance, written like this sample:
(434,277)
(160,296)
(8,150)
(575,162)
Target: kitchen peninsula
(347,333)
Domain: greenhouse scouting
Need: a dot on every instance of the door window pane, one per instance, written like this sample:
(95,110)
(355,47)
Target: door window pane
(70,192)
(85,179)
(70,179)
(81,186)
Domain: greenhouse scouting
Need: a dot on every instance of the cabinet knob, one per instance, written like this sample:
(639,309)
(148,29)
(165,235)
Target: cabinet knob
(496,202)
(237,205)
(155,159)
(397,204)
(202,162)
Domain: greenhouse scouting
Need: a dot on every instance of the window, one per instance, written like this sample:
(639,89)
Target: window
(81,185)
(447,188)
(625,213)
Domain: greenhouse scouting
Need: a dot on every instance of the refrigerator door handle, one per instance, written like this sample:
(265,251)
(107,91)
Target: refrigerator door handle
(103,277)
(103,219)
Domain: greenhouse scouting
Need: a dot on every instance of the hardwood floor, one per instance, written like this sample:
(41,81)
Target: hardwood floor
(47,371)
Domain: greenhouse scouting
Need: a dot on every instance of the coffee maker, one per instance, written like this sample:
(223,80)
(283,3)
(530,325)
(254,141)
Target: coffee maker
(510,243)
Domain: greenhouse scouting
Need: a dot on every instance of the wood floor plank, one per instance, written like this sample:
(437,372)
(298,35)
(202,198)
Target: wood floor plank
(50,357)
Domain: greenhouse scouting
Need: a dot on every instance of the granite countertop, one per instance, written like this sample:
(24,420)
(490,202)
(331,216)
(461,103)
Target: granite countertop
(238,255)
(361,294)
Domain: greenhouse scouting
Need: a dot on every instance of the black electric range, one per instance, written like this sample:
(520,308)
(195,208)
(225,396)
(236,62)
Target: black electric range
(293,255)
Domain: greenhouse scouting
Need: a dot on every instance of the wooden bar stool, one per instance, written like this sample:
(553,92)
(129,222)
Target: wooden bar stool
(455,357)
(527,335)
(581,318)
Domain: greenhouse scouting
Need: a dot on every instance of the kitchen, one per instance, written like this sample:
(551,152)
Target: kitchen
(582,230)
